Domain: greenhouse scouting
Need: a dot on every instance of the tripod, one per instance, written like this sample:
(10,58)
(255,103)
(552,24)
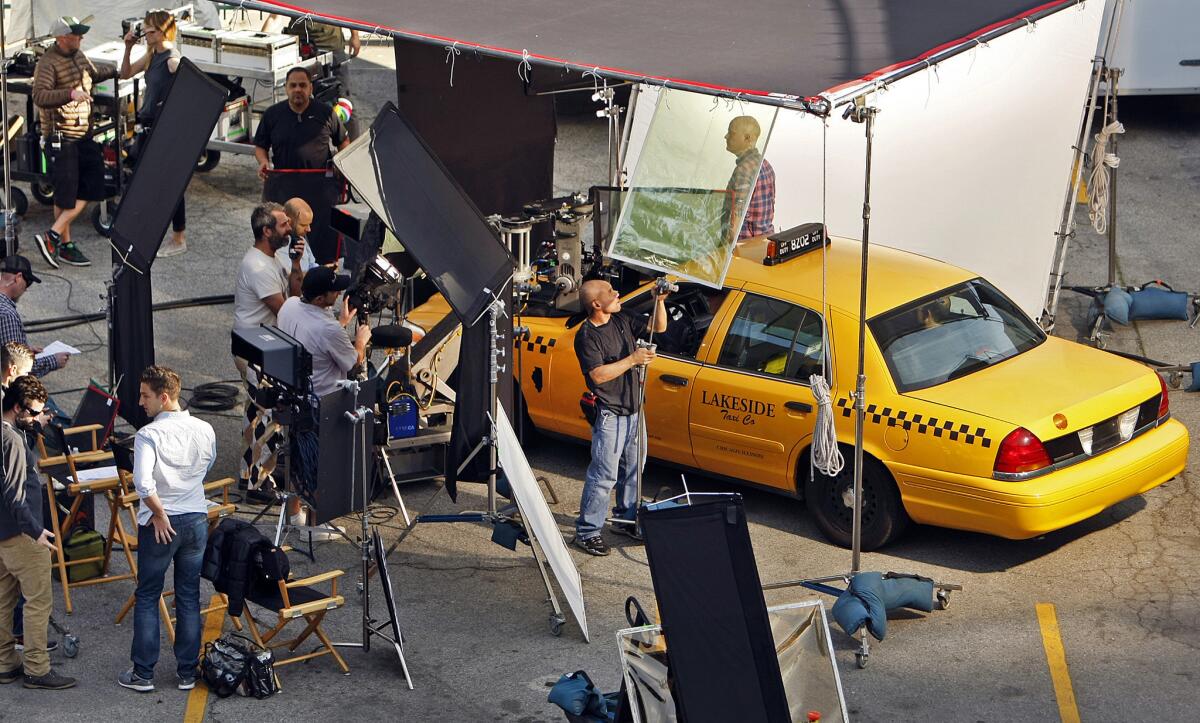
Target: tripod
(369,542)
(494,515)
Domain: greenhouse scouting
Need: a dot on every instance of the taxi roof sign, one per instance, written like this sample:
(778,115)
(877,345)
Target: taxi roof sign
(794,242)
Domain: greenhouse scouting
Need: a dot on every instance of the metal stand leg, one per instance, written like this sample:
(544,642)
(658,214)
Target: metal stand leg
(557,619)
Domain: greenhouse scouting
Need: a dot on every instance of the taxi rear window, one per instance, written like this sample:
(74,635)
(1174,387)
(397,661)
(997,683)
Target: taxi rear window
(951,334)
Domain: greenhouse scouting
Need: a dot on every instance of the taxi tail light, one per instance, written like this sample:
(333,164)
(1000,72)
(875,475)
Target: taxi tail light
(1164,404)
(1021,451)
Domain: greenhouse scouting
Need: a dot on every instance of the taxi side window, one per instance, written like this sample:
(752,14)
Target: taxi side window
(773,337)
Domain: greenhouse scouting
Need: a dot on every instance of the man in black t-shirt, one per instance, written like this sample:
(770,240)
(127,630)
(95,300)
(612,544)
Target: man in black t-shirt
(297,133)
(606,345)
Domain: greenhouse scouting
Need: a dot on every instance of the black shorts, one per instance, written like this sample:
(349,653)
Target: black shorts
(78,173)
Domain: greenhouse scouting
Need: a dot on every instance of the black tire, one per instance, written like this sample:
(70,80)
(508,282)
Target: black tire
(104,228)
(19,203)
(883,515)
(208,160)
(43,191)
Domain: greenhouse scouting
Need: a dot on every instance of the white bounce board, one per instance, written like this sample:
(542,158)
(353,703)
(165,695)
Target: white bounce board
(536,514)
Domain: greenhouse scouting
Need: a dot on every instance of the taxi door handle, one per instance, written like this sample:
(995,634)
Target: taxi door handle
(802,407)
(673,380)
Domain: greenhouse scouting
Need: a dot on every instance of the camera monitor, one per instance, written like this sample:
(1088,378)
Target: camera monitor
(395,173)
(165,166)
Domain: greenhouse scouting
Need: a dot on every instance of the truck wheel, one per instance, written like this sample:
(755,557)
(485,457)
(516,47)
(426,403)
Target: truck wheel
(103,225)
(43,192)
(829,499)
(18,202)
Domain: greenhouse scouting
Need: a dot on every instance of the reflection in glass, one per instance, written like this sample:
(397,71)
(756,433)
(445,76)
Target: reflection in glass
(694,184)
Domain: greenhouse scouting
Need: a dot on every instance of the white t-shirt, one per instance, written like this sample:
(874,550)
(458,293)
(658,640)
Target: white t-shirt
(259,276)
(315,328)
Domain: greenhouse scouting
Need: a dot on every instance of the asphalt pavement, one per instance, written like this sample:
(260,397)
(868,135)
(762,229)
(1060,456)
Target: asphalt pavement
(1122,584)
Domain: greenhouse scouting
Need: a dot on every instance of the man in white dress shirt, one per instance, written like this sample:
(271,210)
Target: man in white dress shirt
(171,457)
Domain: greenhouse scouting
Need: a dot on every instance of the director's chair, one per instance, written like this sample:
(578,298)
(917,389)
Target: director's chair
(297,600)
(70,462)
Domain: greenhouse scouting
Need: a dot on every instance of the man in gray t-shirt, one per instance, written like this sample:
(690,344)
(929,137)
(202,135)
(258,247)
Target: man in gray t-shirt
(308,321)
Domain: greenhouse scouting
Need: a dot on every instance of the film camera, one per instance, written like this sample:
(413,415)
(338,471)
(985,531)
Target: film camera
(375,287)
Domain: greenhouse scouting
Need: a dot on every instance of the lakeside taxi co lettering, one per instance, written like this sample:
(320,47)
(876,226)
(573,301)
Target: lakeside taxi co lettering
(737,409)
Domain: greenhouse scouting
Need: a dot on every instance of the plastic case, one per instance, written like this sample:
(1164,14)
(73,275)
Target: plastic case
(198,44)
(110,55)
(234,124)
(258,51)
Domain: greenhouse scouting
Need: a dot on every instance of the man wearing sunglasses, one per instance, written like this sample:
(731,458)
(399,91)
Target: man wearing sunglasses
(24,545)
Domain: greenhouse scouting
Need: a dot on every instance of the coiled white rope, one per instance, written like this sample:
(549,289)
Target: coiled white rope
(1099,181)
(826,456)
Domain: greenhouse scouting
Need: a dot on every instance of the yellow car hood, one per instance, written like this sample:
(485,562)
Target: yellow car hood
(1057,377)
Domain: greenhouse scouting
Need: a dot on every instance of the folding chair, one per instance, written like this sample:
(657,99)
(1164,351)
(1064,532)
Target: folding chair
(217,510)
(297,600)
(71,462)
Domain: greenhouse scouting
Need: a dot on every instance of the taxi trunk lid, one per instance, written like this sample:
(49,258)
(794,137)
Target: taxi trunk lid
(1084,385)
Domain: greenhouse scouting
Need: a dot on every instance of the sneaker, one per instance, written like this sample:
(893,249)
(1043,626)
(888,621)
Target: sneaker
(69,253)
(133,681)
(592,545)
(48,244)
(49,681)
(11,676)
(51,645)
(186,682)
(169,249)
(631,531)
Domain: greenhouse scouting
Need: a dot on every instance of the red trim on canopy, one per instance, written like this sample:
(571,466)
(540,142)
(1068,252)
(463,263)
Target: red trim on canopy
(524,53)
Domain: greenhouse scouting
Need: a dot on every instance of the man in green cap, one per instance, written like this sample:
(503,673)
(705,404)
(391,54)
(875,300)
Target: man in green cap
(62,92)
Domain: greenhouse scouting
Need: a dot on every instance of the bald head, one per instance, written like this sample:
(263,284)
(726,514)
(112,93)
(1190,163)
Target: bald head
(743,134)
(300,214)
(599,299)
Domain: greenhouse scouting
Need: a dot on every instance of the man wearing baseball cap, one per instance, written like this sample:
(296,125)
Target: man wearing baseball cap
(306,318)
(62,92)
(16,275)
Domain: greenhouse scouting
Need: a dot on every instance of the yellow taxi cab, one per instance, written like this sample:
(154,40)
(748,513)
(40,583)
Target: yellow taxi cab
(975,418)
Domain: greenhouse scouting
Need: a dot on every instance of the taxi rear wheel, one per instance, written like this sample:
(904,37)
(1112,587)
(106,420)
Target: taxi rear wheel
(829,500)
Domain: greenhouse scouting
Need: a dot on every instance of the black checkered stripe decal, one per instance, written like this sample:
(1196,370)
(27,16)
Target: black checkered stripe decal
(540,344)
(919,423)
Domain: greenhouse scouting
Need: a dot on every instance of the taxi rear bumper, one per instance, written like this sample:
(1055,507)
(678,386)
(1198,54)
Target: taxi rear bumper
(1024,509)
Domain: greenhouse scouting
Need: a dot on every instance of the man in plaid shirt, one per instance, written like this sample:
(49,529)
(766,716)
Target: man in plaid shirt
(757,198)
(16,276)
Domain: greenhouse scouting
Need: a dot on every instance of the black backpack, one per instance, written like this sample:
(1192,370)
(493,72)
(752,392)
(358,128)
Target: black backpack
(235,663)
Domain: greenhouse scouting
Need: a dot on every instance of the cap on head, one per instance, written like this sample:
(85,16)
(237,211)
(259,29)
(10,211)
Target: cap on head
(17,264)
(70,25)
(321,280)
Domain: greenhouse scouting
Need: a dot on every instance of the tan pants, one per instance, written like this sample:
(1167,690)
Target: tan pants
(25,570)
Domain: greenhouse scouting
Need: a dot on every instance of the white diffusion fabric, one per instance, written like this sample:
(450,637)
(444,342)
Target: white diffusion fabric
(538,517)
(972,157)
(696,170)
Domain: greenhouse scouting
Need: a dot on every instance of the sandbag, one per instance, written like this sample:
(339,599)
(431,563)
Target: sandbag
(1157,300)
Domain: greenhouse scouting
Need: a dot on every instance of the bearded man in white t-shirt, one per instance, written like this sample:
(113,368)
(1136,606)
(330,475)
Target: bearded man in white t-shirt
(262,287)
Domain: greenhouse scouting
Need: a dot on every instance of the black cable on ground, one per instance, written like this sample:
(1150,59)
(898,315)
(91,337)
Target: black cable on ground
(214,397)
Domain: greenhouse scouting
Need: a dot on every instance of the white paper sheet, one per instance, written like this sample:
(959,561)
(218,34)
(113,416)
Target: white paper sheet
(96,473)
(56,347)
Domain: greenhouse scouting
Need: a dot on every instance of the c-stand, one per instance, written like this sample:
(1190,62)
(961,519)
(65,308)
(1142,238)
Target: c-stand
(369,541)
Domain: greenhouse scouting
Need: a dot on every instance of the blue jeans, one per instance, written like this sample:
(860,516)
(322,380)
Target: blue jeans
(614,464)
(187,551)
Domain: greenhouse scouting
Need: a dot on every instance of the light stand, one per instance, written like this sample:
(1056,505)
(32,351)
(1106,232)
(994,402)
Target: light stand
(493,515)
(10,236)
(361,418)
(859,112)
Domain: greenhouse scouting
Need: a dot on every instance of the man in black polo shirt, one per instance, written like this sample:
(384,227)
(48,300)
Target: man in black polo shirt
(608,353)
(297,133)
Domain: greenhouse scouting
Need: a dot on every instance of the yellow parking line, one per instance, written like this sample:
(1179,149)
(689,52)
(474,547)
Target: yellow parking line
(198,698)
(1056,658)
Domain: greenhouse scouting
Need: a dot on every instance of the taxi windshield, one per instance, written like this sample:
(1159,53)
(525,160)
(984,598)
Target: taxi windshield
(951,334)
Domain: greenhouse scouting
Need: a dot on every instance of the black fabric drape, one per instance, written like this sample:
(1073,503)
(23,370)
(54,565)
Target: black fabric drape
(132,342)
